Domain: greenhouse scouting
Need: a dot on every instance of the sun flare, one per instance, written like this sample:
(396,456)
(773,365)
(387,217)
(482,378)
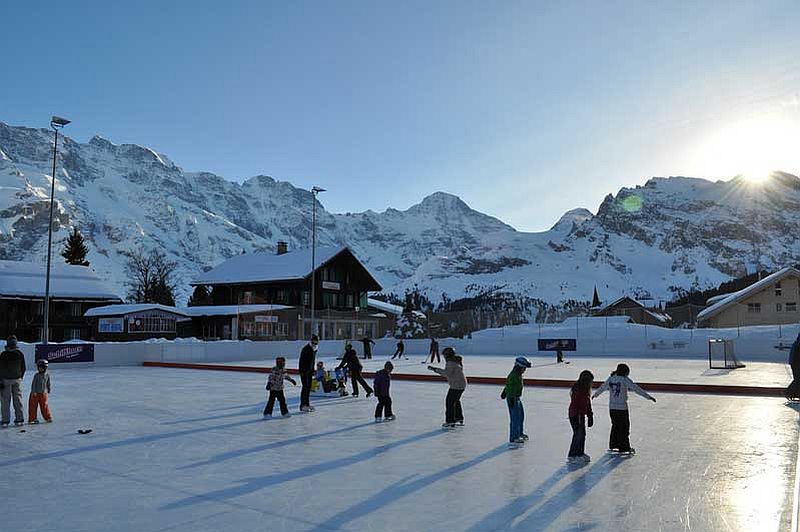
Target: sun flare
(751,148)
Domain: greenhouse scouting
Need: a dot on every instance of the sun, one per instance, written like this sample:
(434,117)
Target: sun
(752,148)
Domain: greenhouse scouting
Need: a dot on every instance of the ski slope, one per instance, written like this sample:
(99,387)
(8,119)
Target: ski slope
(185,450)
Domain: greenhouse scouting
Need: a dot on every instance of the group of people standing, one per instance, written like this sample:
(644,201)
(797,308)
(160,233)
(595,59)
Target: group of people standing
(12,371)
(579,412)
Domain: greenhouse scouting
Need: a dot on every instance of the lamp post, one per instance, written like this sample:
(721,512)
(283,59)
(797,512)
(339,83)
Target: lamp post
(314,191)
(56,123)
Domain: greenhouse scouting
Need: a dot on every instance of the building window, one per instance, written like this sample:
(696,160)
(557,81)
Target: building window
(754,307)
(75,309)
(778,307)
(306,298)
(247,298)
(778,289)
(791,307)
(151,323)
(281,295)
(74,334)
(350,301)
(282,329)
(327,299)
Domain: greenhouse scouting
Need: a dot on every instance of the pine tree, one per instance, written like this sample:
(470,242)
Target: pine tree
(75,249)
(595,298)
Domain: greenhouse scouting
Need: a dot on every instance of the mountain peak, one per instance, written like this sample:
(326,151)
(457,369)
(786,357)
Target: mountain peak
(572,218)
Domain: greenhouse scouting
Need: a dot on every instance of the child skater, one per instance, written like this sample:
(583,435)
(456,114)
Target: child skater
(580,411)
(383,379)
(454,373)
(275,387)
(512,393)
(40,387)
(619,384)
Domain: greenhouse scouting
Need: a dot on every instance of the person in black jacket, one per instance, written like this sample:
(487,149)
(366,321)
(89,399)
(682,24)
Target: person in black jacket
(793,391)
(12,370)
(350,359)
(401,349)
(368,343)
(306,368)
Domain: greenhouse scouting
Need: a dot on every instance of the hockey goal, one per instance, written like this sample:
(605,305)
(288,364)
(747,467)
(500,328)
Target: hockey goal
(721,354)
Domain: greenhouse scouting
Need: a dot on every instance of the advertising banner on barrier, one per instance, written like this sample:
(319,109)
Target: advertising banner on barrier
(558,344)
(58,353)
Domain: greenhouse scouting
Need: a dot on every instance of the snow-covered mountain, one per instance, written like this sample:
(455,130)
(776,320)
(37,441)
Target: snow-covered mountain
(669,234)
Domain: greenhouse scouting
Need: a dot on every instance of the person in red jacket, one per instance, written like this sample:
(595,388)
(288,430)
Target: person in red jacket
(580,409)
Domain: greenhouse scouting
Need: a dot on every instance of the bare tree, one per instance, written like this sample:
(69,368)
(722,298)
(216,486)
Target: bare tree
(151,277)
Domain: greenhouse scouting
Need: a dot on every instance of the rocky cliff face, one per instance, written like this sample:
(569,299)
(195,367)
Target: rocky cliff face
(667,235)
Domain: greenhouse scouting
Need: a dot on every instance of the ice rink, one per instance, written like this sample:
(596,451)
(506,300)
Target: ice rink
(187,450)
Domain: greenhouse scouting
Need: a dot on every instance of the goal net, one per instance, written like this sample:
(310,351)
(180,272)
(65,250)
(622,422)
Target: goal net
(721,354)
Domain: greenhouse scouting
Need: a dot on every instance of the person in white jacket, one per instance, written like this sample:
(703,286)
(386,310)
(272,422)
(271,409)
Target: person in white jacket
(618,385)
(454,373)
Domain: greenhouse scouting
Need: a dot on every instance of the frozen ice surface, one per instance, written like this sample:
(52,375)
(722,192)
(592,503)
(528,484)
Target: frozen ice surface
(185,450)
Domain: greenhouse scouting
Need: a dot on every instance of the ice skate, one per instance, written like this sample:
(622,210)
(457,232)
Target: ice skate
(390,418)
(378,420)
(448,426)
(267,416)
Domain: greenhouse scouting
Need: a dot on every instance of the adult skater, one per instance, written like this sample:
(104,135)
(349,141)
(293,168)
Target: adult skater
(512,393)
(793,391)
(580,410)
(368,343)
(12,370)
(454,373)
(400,351)
(350,359)
(434,350)
(306,368)
(619,384)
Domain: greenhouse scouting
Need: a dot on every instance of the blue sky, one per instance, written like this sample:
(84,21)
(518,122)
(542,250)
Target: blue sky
(524,109)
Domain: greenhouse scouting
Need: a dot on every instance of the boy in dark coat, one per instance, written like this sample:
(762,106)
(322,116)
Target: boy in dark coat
(350,359)
(368,343)
(400,351)
(383,380)
(306,368)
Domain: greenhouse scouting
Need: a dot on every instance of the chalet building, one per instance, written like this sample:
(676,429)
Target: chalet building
(128,323)
(283,279)
(638,313)
(771,301)
(73,291)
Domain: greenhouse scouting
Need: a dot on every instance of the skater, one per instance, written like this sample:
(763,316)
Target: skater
(12,370)
(434,350)
(512,393)
(40,388)
(559,356)
(275,388)
(400,351)
(306,367)
(350,359)
(368,343)
(383,379)
(580,415)
(454,373)
(793,391)
(619,384)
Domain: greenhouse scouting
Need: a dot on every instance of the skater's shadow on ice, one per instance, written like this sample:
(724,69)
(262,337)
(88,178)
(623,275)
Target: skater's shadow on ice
(274,445)
(402,488)
(253,484)
(249,411)
(536,511)
(128,441)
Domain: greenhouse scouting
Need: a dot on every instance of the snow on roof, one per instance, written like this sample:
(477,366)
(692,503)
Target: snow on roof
(735,297)
(713,299)
(230,310)
(384,306)
(262,266)
(395,310)
(120,310)
(27,279)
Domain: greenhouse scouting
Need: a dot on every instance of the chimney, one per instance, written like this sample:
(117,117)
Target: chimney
(283,247)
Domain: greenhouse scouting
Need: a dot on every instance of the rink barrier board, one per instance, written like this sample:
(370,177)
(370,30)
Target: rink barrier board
(716,389)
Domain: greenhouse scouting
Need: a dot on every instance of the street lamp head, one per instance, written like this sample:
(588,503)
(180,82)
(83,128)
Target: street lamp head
(58,122)
(316,190)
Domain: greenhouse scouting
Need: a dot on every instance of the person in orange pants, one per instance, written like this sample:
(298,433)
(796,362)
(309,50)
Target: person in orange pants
(40,387)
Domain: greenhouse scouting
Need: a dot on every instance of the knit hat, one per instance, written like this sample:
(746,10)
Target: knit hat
(11,343)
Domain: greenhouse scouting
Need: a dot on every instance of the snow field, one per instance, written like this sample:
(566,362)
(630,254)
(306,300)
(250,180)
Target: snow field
(187,451)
